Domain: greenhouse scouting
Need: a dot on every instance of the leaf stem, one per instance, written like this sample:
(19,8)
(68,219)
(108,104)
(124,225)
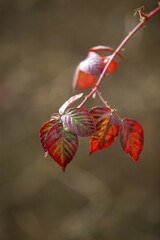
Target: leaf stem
(87,97)
(102,99)
(105,103)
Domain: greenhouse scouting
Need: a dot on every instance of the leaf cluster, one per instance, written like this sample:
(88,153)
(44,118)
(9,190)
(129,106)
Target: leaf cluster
(59,136)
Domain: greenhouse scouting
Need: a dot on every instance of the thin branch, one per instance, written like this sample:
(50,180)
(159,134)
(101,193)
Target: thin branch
(153,12)
(105,103)
(102,99)
(119,48)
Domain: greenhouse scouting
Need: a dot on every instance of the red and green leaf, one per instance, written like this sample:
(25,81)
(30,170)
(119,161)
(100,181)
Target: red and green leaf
(61,145)
(69,102)
(131,137)
(107,129)
(101,48)
(98,112)
(92,66)
(79,121)
(43,133)
(55,116)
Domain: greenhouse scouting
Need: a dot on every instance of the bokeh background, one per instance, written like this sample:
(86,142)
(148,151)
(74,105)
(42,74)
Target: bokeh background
(102,196)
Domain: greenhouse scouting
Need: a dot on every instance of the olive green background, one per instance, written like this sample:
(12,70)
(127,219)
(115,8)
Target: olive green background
(105,196)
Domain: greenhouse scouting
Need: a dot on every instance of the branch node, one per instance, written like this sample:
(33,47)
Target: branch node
(114,110)
(139,12)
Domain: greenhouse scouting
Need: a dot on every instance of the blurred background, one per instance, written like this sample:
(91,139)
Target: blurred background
(102,196)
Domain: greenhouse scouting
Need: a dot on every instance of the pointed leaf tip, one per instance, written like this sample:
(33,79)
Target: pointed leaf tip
(69,102)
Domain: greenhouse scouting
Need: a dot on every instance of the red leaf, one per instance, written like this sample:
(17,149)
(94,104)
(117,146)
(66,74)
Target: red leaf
(43,132)
(69,102)
(107,129)
(101,48)
(86,72)
(132,137)
(112,66)
(86,80)
(98,112)
(79,121)
(104,48)
(61,145)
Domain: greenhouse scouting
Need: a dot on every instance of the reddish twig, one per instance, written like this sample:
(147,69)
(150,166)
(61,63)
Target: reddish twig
(143,18)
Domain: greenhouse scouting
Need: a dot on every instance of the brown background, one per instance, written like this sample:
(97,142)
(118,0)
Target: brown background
(102,196)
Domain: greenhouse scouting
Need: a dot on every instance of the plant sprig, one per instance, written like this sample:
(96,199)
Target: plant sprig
(59,136)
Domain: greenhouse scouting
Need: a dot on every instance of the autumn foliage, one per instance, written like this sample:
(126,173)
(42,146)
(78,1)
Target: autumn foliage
(60,135)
